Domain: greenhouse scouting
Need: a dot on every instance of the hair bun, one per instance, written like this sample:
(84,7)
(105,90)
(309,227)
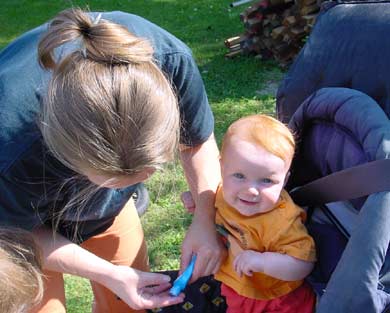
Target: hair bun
(102,40)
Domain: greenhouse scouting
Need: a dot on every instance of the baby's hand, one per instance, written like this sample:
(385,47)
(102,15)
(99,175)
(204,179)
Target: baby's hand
(247,262)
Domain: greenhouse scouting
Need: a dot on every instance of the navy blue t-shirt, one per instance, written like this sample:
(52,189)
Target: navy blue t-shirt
(34,185)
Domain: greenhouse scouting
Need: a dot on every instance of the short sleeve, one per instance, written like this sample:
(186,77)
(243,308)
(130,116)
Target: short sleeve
(196,115)
(293,239)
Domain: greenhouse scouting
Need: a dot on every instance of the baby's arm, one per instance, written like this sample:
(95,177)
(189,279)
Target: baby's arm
(277,265)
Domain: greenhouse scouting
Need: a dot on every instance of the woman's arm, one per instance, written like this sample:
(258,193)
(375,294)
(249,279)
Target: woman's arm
(281,266)
(202,171)
(61,255)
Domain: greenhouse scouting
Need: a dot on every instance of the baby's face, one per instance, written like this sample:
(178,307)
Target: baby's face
(252,177)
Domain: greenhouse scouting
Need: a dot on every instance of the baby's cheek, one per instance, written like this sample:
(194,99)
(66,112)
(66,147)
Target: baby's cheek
(271,196)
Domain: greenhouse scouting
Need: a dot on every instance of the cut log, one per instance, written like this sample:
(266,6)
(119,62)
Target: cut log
(233,53)
(234,40)
(274,28)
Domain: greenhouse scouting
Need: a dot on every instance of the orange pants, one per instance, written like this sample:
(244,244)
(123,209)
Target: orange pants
(123,243)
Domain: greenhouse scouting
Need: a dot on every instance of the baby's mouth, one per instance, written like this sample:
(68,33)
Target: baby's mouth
(247,202)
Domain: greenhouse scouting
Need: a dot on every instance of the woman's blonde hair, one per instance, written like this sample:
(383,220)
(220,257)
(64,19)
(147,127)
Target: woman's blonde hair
(265,131)
(108,108)
(21,278)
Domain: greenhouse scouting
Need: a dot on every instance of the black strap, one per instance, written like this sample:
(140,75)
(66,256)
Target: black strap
(351,183)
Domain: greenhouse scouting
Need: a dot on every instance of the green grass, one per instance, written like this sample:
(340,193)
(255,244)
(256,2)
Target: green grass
(78,293)
(236,87)
(165,221)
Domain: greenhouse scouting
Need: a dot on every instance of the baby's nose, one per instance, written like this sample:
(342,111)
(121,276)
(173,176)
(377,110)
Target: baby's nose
(253,191)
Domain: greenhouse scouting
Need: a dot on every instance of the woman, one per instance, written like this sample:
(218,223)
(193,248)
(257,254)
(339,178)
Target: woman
(80,129)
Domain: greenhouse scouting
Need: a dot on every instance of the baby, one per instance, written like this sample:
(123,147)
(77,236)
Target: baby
(269,250)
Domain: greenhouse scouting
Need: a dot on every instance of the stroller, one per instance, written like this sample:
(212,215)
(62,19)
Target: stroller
(336,98)
(341,170)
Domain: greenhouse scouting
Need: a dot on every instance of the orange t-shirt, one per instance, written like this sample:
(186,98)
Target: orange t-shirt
(280,230)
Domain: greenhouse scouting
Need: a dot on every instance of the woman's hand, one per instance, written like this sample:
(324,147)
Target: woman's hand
(141,290)
(202,239)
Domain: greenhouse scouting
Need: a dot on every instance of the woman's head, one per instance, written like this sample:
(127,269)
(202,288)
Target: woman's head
(20,271)
(109,109)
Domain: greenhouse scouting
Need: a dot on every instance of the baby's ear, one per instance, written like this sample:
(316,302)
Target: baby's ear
(286,178)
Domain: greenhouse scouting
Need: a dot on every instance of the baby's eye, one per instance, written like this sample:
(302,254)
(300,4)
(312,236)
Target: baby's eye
(238,175)
(267,181)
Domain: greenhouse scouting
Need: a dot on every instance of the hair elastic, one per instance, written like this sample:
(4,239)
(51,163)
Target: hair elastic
(97,19)
(84,51)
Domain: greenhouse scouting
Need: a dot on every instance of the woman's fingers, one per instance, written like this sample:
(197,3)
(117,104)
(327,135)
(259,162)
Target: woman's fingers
(158,296)
(151,301)
(147,279)
(158,288)
(188,201)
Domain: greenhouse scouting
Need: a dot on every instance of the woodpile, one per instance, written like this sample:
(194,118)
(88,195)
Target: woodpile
(274,29)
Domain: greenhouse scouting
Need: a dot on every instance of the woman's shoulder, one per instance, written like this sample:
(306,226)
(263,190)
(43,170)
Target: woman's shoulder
(163,41)
(21,81)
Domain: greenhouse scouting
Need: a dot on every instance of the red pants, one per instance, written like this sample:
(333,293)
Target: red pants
(122,243)
(301,300)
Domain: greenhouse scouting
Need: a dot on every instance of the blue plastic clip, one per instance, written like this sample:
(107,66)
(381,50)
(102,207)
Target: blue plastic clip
(181,282)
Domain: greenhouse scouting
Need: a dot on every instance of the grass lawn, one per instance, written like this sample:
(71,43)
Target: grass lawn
(236,87)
